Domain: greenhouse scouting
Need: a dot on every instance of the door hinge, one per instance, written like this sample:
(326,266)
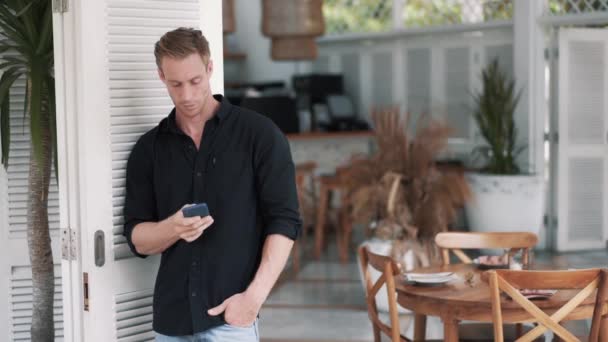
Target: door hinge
(551,52)
(554,223)
(60,6)
(68,244)
(85,290)
(552,137)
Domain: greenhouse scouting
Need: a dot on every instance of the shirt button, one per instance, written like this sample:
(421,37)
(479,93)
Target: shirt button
(213,160)
(199,174)
(194,263)
(193,294)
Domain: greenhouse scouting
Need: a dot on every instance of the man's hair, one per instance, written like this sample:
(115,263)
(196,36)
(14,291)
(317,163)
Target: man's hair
(181,43)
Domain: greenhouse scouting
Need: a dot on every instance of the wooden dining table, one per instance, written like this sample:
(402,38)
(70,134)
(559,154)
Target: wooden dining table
(467,297)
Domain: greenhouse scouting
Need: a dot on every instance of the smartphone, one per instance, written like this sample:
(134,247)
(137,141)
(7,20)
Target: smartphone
(199,209)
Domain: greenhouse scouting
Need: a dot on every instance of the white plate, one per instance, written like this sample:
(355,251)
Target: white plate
(429,275)
(430,278)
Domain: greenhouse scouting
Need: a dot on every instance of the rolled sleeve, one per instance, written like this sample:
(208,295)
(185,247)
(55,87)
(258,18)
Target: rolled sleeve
(140,203)
(276,187)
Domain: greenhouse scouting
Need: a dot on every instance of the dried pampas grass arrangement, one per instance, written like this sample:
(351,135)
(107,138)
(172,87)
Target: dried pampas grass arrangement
(402,188)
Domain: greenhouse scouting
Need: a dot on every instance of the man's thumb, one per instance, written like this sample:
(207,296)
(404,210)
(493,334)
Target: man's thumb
(217,310)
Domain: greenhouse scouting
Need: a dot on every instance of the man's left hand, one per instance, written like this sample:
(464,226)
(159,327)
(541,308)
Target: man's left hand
(239,310)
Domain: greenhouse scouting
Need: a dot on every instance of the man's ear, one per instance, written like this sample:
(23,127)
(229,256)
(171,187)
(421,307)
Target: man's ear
(210,68)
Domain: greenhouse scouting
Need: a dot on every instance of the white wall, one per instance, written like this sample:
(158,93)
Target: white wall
(248,38)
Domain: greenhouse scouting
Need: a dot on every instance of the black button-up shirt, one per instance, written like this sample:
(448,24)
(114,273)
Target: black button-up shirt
(243,170)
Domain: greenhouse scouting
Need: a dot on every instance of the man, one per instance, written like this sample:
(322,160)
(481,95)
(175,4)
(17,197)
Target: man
(215,271)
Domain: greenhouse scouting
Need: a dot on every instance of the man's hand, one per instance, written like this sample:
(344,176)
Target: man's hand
(189,228)
(239,310)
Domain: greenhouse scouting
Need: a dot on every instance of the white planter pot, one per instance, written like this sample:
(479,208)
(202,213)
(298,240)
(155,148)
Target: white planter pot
(503,203)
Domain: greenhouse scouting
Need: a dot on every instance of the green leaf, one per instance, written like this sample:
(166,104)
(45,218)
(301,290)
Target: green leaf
(46,35)
(5,65)
(14,59)
(494,115)
(29,18)
(26,102)
(24,9)
(6,81)
(5,128)
(12,28)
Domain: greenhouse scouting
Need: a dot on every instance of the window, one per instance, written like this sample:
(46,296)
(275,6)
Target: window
(360,16)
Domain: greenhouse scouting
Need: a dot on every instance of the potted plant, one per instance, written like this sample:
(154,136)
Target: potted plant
(504,198)
(26,52)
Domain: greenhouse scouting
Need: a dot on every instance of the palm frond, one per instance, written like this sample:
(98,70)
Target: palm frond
(26,49)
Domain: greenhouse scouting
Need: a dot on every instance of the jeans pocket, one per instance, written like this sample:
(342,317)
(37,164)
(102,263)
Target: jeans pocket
(237,327)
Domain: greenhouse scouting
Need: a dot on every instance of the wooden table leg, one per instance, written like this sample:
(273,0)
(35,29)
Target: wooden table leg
(450,330)
(343,234)
(604,328)
(419,327)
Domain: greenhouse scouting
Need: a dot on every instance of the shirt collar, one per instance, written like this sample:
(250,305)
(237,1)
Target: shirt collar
(169,124)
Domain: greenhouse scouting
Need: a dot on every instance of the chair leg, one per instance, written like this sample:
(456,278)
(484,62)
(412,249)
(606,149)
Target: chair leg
(320,224)
(377,337)
(345,228)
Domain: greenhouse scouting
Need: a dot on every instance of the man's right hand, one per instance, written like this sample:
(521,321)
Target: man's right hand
(189,228)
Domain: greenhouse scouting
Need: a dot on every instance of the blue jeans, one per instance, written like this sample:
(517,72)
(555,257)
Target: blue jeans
(222,333)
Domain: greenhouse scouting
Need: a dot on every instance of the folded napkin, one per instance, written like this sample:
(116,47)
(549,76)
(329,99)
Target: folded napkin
(537,294)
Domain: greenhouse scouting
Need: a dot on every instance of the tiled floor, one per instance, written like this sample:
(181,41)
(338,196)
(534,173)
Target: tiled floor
(325,301)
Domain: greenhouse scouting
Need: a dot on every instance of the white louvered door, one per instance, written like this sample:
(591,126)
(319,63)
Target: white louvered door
(117,97)
(582,148)
(16,274)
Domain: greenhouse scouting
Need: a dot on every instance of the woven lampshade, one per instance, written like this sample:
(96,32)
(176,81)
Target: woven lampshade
(228,16)
(293,26)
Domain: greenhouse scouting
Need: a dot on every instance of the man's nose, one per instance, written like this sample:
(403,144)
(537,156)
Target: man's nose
(186,94)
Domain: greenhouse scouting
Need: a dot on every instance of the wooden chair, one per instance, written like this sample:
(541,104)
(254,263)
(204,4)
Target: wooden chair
(389,269)
(329,184)
(457,241)
(587,280)
(303,171)
(513,241)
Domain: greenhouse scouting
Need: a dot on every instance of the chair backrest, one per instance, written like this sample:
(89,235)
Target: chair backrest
(511,282)
(305,198)
(457,241)
(389,268)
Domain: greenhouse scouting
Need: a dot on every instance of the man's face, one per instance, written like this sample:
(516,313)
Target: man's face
(187,81)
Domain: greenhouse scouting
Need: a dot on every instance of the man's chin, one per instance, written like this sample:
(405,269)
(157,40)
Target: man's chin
(189,111)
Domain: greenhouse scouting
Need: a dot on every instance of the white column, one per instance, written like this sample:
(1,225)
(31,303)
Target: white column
(212,27)
(529,64)
(398,14)
(5,271)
